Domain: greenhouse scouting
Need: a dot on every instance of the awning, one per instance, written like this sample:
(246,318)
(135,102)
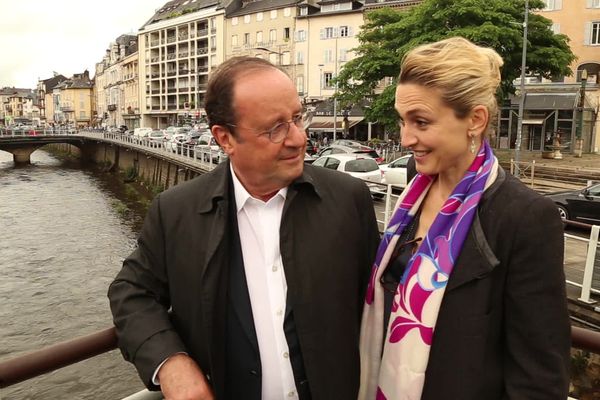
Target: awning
(533,121)
(326,123)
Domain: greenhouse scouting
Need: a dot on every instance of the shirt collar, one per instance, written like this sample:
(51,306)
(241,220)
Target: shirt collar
(242,195)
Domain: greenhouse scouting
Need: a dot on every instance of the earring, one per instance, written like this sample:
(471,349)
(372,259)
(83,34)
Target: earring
(472,147)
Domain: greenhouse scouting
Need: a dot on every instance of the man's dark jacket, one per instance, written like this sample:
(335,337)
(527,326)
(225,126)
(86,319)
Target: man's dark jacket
(328,239)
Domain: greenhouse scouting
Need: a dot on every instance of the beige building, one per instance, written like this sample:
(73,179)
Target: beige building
(567,107)
(178,47)
(73,101)
(265,29)
(116,85)
(44,97)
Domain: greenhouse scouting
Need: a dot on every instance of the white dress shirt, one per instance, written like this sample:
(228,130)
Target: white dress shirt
(258,225)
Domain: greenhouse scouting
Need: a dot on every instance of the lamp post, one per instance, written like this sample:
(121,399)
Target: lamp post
(580,107)
(320,79)
(335,91)
(522,90)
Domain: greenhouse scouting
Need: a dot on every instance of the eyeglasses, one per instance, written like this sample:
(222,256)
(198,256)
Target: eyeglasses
(279,132)
(387,282)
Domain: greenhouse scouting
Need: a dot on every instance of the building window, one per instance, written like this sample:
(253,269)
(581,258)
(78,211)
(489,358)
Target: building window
(300,58)
(234,21)
(303,10)
(343,55)
(327,56)
(555,28)
(234,40)
(301,36)
(300,84)
(327,33)
(287,12)
(273,14)
(286,33)
(552,5)
(343,30)
(259,16)
(246,38)
(259,37)
(273,35)
(327,79)
(247,19)
(593,3)
(594,35)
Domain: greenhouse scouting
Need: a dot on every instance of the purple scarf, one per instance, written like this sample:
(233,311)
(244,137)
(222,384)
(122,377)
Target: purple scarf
(400,372)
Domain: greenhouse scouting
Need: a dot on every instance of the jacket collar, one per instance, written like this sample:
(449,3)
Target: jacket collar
(217,186)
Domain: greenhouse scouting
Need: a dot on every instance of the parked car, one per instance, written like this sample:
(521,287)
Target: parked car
(394,173)
(357,165)
(581,205)
(141,133)
(346,142)
(359,150)
(208,149)
(173,144)
(311,146)
(156,138)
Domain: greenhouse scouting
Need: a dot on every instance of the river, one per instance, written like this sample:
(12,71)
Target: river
(64,233)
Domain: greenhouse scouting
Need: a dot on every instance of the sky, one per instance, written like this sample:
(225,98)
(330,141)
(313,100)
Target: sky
(38,37)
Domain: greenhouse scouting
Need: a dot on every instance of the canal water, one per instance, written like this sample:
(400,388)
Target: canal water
(64,231)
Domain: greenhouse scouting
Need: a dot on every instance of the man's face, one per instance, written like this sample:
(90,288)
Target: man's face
(261,100)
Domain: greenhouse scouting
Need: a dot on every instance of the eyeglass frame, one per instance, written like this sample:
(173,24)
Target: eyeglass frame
(385,283)
(305,117)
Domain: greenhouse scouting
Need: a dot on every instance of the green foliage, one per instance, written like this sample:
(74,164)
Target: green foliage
(388,35)
(130,174)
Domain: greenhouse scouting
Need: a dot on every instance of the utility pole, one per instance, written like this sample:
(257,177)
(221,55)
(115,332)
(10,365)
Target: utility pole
(335,91)
(580,107)
(522,90)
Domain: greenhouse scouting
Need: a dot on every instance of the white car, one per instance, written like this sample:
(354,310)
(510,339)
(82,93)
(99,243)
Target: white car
(175,142)
(208,149)
(394,173)
(140,133)
(357,165)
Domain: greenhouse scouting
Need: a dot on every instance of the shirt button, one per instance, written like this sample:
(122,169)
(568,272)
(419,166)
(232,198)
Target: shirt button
(274,268)
(280,312)
(291,394)
(286,355)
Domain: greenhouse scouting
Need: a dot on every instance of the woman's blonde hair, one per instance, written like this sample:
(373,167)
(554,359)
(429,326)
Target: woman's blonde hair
(466,75)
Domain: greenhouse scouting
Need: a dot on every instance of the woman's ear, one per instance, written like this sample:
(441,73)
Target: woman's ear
(479,120)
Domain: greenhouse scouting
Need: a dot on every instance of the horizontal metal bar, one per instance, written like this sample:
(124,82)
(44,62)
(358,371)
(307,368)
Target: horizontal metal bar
(56,356)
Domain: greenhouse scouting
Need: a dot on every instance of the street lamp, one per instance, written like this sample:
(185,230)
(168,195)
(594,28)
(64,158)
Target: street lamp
(580,107)
(522,89)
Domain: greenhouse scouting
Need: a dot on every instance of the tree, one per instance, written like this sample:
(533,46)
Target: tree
(388,34)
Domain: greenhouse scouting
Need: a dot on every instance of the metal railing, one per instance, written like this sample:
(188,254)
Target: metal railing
(24,367)
(590,261)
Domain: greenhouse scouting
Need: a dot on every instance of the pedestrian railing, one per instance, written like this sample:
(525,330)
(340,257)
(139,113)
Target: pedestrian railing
(60,355)
(591,273)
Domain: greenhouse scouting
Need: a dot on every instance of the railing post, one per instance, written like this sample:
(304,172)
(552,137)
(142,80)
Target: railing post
(588,272)
(512,167)
(388,202)
(532,172)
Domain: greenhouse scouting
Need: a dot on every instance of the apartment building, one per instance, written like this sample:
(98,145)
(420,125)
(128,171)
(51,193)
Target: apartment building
(264,29)
(116,85)
(73,101)
(178,47)
(566,107)
(44,97)
(18,105)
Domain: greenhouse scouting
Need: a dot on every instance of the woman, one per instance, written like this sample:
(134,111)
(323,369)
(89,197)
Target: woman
(467,297)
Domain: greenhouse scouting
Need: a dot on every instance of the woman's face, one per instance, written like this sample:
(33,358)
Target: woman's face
(440,141)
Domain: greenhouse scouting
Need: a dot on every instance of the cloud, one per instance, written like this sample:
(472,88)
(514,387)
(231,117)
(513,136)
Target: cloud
(38,37)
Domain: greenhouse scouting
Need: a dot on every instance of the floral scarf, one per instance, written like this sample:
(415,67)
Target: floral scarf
(399,371)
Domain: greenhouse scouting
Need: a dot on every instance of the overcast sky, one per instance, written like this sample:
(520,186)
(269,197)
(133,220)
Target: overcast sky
(38,37)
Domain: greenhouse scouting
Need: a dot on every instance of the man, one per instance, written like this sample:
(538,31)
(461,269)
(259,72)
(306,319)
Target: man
(248,281)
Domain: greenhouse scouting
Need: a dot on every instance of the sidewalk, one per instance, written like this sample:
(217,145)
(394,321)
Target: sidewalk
(585,162)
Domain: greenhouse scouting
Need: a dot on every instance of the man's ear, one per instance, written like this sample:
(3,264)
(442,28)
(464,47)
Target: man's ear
(479,120)
(223,137)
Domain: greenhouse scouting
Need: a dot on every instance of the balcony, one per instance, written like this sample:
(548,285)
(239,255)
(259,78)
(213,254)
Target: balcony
(111,107)
(171,56)
(171,73)
(171,90)
(155,91)
(183,54)
(202,68)
(67,108)
(202,50)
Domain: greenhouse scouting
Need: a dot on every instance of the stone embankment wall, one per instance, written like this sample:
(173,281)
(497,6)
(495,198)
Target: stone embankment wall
(155,172)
